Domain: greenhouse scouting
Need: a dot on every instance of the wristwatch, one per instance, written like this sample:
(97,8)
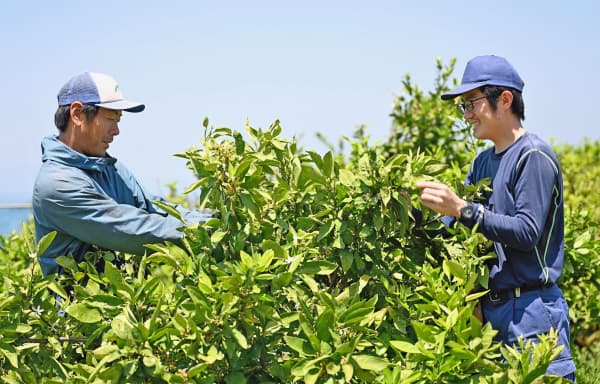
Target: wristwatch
(467,214)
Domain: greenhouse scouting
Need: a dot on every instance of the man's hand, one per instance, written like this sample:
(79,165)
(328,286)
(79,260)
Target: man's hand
(440,198)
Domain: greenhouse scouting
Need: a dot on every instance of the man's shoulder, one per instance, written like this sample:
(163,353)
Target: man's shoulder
(532,147)
(57,171)
(531,141)
(55,177)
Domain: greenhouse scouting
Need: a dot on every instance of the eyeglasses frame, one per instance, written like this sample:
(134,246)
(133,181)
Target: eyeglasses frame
(468,106)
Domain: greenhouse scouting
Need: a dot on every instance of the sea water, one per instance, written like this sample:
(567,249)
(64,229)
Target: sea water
(11,219)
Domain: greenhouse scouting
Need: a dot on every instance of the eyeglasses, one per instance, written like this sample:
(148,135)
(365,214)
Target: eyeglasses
(467,106)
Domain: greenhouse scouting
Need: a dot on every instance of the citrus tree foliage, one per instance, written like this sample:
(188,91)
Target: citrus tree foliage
(581,284)
(312,272)
(422,120)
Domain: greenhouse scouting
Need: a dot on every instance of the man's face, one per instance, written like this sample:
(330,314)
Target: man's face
(96,134)
(482,117)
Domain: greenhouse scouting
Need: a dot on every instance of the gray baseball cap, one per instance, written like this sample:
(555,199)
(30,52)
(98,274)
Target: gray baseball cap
(96,89)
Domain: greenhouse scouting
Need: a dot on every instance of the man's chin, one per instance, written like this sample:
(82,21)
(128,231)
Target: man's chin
(477,132)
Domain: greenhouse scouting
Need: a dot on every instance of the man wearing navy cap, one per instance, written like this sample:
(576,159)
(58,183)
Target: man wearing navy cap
(523,216)
(88,197)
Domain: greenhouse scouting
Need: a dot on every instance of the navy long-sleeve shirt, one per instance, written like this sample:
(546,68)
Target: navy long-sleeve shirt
(524,215)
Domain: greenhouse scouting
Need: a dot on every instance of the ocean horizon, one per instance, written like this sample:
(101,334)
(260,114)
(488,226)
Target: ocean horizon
(12,218)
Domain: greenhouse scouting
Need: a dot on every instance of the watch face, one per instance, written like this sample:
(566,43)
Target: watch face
(467,212)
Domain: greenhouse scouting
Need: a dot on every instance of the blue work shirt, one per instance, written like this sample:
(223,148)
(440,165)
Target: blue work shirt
(95,201)
(524,215)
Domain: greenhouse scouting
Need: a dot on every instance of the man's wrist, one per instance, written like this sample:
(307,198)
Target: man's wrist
(471,213)
(461,205)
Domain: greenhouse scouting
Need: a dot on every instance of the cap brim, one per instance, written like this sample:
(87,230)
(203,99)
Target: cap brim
(462,89)
(123,105)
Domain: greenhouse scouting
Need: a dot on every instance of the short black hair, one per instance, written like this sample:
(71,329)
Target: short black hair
(493,92)
(63,114)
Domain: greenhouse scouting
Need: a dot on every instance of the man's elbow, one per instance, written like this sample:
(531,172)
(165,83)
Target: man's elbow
(527,238)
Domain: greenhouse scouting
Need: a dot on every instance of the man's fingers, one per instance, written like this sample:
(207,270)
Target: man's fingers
(427,184)
(427,196)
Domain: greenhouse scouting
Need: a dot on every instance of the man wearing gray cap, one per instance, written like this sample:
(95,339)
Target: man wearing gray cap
(523,215)
(88,197)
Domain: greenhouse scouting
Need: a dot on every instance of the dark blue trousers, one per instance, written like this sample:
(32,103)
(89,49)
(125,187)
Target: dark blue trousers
(532,314)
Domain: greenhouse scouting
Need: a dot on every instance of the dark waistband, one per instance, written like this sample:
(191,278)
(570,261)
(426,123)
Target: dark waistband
(514,293)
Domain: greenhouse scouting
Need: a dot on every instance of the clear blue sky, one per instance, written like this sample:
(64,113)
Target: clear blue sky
(317,68)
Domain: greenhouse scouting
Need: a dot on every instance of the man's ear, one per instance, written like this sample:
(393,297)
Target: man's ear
(505,100)
(75,112)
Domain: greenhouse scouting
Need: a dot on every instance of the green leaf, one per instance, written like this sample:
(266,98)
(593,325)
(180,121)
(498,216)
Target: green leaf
(347,177)
(325,324)
(196,295)
(264,261)
(195,185)
(104,350)
(347,258)
(377,220)
(217,237)
(58,288)
(104,302)
(250,204)
(299,345)
(113,275)
(452,319)
(325,230)
(277,249)
(44,243)
(169,209)
(370,363)
(476,295)
(309,175)
(306,326)
(319,267)
(357,311)
(84,313)
(582,239)
(404,346)
(197,370)
(240,338)
(67,262)
(239,143)
(235,378)
(452,268)
(434,169)
(282,279)
(348,370)
(122,328)
(11,355)
(423,331)
(316,158)
(328,164)
(213,223)
(161,258)
(23,328)
(247,260)
(310,282)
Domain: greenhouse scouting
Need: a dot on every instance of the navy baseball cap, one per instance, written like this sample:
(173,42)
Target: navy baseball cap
(487,70)
(97,89)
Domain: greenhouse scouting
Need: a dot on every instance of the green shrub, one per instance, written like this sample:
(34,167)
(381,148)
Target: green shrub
(313,272)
